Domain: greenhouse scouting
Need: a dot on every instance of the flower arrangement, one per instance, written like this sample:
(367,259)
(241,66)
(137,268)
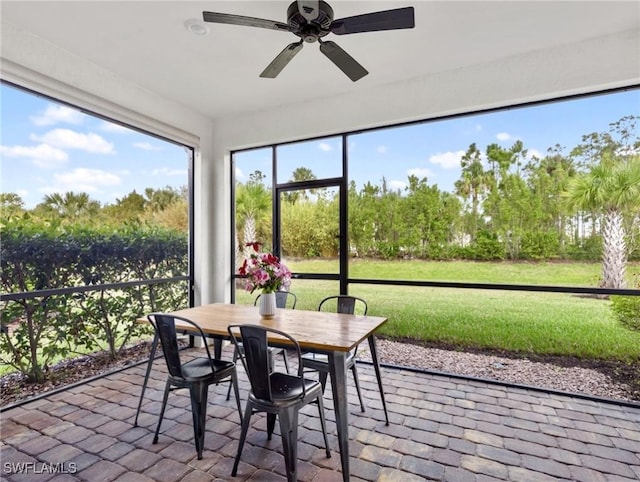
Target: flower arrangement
(264,271)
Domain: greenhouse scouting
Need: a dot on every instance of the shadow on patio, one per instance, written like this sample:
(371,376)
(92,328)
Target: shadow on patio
(441,428)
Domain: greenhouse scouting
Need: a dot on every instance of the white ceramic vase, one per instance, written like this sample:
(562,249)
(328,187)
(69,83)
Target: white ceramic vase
(267,306)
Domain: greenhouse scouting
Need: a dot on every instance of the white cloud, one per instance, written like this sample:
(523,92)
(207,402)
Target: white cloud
(323,146)
(68,139)
(397,185)
(146,146)
(239,174)
(382,149)
(448,160)
(83,180)
(115,128)
(503,136)
(478,127)
(54,114)
(165,171)
(534,152)
(420,172)
(42,155)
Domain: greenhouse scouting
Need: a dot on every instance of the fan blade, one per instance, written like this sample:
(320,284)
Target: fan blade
(343,60)
(242,20)
(281,60)
(395,19)
(309,9)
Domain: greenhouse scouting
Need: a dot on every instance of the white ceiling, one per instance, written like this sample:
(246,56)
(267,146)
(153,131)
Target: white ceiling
(146,44)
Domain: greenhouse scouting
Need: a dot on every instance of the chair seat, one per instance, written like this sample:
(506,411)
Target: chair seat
(201,369)
(288,387)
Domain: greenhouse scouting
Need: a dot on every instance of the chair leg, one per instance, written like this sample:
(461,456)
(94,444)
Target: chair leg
(152,356)
(323,379)
(271,424)
(199,392)
(235,359)
(289,430)
(167,389)
(323,424)
(354,370)
(234,383)
(243,435)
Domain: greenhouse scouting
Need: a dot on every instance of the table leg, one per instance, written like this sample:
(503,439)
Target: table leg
(338,373)
(376,366)
(152,356)
(217,348)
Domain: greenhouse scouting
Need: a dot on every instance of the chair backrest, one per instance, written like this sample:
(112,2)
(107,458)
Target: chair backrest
(283,298)
(255,356)
(165,326)
(344,304)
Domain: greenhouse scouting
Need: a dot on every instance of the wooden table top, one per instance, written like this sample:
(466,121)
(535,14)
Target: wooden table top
(314,330)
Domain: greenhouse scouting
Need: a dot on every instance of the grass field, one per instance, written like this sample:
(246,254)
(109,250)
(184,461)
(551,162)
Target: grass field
(524,322)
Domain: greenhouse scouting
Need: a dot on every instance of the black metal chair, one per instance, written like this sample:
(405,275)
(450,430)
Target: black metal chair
(284,299)
(278,394)
(196,374)
(318,362)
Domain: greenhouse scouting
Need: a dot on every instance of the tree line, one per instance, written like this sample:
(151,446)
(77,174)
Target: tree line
(165,207)
(506,205)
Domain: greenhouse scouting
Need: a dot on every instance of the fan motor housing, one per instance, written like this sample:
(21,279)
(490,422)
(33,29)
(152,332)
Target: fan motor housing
(310,31)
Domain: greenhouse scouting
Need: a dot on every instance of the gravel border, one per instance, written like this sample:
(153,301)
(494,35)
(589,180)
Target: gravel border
(521,371)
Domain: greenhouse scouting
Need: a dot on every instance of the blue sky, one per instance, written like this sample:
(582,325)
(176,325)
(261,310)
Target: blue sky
(46,147)
(433,149)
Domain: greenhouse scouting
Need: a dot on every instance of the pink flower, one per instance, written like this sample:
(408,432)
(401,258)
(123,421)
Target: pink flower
(264,271)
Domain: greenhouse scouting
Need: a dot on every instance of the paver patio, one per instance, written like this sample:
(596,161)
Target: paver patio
(441,428)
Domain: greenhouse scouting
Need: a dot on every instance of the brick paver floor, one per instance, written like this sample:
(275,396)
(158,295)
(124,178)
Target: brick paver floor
(441,428)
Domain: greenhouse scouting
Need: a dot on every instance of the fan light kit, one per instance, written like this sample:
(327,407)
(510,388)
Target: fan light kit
(313,20)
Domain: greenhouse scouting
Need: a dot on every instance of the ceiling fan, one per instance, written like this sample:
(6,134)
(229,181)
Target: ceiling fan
(311,20)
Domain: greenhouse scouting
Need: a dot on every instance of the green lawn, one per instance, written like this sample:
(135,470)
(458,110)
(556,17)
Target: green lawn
(536,323)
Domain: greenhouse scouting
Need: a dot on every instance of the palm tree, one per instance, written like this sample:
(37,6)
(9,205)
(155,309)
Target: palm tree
(71,206)
(253,204)
(610,188)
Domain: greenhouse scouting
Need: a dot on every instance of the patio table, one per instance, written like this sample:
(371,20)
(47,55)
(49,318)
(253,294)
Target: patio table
(333,334)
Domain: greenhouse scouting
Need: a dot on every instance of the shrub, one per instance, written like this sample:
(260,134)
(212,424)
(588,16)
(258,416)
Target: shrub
(539,245)
(627,308)
(35,257)
(487,247)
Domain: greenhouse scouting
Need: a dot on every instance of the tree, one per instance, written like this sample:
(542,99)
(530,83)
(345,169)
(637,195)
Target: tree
(508,203)
(300,174)
(11,205)
(69,207)
(160,199)
(129,208)
(253,207)
(611,188)
(473,184)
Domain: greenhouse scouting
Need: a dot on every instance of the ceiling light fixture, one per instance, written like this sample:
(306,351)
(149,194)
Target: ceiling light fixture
(196,27)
